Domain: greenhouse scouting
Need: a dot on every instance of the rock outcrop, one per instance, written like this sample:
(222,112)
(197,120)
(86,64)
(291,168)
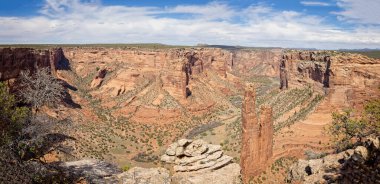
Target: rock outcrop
(15,60)
(140,175)
(257,136)
(359,165)
(97,81)
(196,161)
(95,171)
(229,174)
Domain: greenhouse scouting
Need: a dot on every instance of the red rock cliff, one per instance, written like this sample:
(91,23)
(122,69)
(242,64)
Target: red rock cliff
(14,60)
(305,67)
(354,78)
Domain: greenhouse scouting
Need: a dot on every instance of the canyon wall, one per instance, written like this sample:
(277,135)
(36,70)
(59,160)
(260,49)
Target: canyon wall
(15,60)
(172,80)
(257,136)
(305,67)
(255,62)
(354,78)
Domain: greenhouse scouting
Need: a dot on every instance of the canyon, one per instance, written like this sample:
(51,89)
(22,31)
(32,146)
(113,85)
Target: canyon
(132,103)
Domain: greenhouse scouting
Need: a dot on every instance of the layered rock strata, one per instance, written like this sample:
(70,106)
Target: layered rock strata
(353,77)
(15,60)
(197,159)
(304,66)
(257,136)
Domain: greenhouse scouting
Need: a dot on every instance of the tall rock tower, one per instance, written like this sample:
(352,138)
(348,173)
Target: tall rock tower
(257,136)
(283,73)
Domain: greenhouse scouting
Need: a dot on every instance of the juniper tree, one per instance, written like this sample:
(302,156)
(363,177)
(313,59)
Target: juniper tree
(40,88)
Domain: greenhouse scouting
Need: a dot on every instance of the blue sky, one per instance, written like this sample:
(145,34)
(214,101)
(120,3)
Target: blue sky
(328,24)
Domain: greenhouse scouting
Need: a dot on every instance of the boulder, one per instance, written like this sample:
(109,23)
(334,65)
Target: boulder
(168,159)
(179,151)
(360,153)
(171,151)
(184,142)
(196,148)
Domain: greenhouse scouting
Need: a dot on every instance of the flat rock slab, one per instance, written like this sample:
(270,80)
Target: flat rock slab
(138,175)
(229,174)
(93,170)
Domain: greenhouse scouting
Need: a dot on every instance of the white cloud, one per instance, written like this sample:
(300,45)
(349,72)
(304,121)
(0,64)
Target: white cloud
(213,10)
(359,11)
(314,3)
(74,21)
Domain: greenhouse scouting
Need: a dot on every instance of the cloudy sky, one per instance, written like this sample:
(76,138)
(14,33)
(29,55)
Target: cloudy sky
(328,24)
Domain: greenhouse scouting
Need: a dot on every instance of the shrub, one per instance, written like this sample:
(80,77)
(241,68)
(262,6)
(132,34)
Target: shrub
(126,168)
(12,117)
(347,131)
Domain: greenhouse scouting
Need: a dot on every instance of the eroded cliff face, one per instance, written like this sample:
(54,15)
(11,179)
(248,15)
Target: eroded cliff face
(353,77)
(257,136)
(161,84)
(15,60)
(255,62)
(305,67)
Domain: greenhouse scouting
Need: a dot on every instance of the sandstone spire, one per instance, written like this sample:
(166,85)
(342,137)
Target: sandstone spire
(283,73)
(257,136)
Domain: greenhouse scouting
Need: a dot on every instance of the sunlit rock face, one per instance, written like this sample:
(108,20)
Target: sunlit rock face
(353,77)
(257,136)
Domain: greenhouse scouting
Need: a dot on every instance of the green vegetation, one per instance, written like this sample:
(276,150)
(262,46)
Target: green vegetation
(300,114)
(12,117)
(126,168)
(372,54)
(348,131)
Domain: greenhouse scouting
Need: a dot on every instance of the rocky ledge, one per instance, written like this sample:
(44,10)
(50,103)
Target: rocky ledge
(199,162)
(96,171)
(359,165)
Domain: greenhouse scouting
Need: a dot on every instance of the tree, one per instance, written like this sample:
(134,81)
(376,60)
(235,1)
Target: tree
(40,88)
(347,131)
(372,115)
(12,117)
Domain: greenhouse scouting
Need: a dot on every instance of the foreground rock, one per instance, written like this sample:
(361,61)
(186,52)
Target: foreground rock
(199,162)
(95,171)
(359,165)
(230,174)
(138,175)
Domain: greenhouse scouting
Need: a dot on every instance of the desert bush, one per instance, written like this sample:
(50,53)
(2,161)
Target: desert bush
(40,88)
(23,138)
(348,131)
(12,117)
